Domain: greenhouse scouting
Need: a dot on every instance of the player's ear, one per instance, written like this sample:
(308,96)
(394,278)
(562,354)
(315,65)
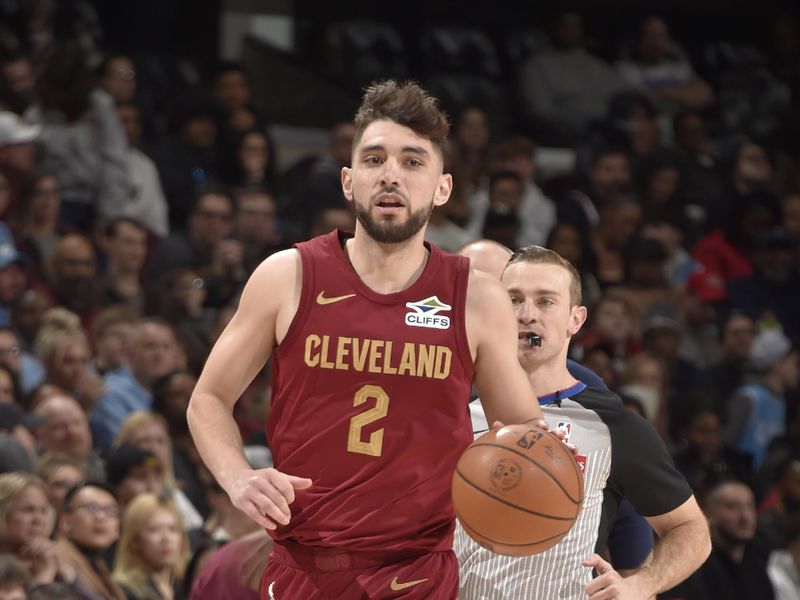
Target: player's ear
(443,190)
(347,182)
(577,318)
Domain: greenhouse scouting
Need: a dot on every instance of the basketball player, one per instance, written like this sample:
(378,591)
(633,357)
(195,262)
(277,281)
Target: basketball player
(376,338)
(621,456)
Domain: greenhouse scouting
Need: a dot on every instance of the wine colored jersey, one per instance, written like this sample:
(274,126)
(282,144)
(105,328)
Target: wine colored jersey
(370,401)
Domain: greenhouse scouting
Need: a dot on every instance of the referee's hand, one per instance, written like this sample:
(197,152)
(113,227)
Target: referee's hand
(610,585)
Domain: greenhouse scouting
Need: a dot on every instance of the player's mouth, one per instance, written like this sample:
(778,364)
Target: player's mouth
(389,204)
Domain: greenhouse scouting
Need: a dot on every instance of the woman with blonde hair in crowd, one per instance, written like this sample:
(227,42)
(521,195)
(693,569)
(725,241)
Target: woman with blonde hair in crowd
(153,551)
(64,350)
(26,522)
(149,431)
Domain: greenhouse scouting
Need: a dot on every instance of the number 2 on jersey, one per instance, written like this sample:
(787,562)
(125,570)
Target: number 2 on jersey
(375,444)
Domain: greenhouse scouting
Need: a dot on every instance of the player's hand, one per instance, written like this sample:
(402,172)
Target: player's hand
(611,585)
(264,495)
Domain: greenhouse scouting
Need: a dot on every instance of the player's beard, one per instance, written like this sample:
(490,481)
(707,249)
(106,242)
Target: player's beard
(391,231)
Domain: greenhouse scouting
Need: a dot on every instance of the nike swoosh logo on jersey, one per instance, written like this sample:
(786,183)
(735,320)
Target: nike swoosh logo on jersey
(271,595)
(397,586)
(321,299)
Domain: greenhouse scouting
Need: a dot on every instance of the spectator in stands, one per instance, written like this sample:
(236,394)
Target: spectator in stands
(565,239)
(737,568)
(36,218)
(17,152)
(153,550)
(63,348)
(72,276)
(132,471)
(183,306)
(17,82)
(256,226)
(148,431)
(187,160)
(536,211)
(26,522)
(619,220)
(249,160)
(65,429)
(111,332)
(314,183)
(772,291)
(659,67)
(12,279)
(124,241)
(470,146)
(207,247)
(153,354)
(26,368)
(171,396)
(781,505)
(608,175)
(564,87)
(699,160)
(14,578)
(702,457)
(757,411)
(88,528)
(117,78)
(60,473)
(27,315)
(723,378)
(232,91)
(146,202)
(82,139)
(727,248)
(698,313)
(236,568)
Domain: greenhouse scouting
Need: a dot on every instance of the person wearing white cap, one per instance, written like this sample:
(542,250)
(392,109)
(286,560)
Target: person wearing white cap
(16,143)
(757,410)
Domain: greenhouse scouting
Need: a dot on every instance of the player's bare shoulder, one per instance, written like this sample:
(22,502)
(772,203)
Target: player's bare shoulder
(488,306)
(273,290)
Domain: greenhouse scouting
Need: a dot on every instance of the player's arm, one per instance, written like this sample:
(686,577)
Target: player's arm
(684,544)
(502,384)
(267,306)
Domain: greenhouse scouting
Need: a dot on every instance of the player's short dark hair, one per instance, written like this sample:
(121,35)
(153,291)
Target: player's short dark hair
(406,104)
(545,256)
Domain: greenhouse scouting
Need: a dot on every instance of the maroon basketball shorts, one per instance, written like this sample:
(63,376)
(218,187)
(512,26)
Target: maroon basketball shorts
(295,573)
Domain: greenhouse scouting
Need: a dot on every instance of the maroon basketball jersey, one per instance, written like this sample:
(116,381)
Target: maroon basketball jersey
(370,397)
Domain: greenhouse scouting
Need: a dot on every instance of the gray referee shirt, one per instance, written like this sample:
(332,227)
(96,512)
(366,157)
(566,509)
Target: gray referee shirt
(622,456)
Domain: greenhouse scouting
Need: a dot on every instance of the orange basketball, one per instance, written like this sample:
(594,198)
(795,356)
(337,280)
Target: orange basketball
(517,490)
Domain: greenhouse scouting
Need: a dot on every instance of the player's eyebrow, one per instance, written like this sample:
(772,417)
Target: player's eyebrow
(405,149)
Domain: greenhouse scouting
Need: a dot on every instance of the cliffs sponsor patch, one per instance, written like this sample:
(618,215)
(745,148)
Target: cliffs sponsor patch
(425,313)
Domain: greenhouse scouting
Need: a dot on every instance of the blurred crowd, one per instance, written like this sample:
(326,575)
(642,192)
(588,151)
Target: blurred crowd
(133,214)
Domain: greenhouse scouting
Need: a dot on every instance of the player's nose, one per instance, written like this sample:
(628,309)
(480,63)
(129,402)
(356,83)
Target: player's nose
(391,172)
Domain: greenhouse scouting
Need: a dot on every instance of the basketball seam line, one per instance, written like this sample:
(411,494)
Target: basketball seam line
(544,470)
(511,504)
(536,543)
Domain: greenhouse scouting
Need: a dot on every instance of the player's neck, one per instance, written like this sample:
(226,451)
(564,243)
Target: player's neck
(387,268)
(550,376)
